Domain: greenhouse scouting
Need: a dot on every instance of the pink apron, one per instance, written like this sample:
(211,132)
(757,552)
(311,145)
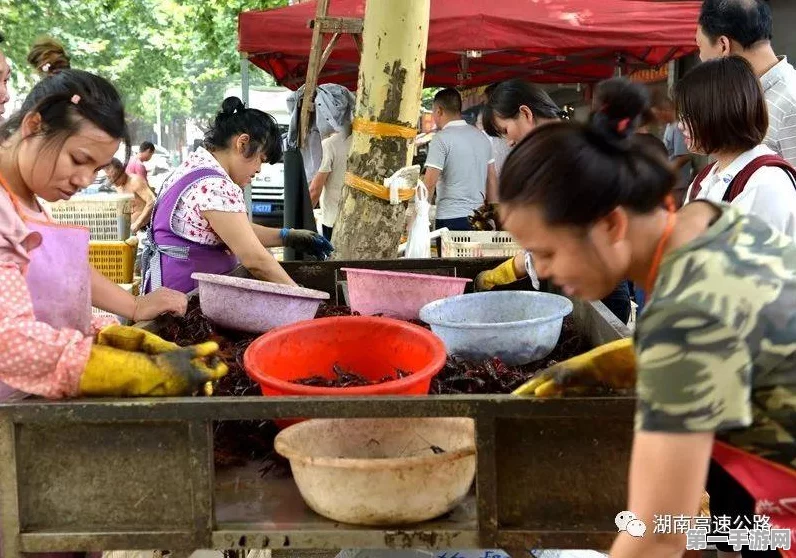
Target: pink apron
(59,280)
(58,276)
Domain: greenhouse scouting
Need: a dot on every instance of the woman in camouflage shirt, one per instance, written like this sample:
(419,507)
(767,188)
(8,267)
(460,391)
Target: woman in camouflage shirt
(716,345)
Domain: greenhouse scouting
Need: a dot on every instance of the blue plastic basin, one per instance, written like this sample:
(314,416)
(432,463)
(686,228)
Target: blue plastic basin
(516,326)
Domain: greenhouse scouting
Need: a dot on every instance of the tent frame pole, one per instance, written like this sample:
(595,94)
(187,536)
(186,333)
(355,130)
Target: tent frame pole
(244,92)
(323,25)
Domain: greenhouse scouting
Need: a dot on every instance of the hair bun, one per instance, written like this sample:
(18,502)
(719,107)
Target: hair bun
(47,56)
(612,132)
(618,108)
(230,106)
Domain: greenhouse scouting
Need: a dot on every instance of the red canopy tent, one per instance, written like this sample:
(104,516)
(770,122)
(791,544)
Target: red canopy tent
(476,42)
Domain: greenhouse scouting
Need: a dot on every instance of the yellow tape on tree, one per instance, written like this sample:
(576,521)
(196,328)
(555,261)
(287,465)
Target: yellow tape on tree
(383,129)
(376,190)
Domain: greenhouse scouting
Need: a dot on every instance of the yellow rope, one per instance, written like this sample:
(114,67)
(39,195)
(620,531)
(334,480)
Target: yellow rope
(376,190)
(383,129)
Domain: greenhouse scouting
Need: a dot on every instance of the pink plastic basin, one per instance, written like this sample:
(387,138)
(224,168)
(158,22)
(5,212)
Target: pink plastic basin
(252,305)
(396,294)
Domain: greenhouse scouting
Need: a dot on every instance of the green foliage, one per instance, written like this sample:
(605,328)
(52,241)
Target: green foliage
(186,49)
(427,98)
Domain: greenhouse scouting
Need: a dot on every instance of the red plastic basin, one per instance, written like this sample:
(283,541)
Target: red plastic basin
(370,346)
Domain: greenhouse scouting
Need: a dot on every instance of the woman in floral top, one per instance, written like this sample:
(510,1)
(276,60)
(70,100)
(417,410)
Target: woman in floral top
(200,222)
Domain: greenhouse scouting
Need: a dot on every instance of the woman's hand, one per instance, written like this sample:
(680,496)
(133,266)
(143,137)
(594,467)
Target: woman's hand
(160,301)
(247,242)
(307,241)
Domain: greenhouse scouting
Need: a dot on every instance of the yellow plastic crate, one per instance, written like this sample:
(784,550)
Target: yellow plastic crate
(114,259)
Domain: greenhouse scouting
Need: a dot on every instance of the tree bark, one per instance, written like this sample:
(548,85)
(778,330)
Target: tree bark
(395,36)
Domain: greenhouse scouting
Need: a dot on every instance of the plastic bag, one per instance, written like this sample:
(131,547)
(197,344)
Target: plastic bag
(419,243)
(531,270)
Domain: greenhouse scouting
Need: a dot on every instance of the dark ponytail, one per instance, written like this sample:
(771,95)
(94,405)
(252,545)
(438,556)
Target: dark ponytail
(66,99)
(579,173)
(235,119)
(619,108)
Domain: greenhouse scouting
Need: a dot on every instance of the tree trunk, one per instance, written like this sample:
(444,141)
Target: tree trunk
(395,35)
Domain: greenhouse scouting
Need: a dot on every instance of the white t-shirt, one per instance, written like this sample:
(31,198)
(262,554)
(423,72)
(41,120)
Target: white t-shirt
(769,194)
(779,85)
(462,153)
(335,156)
(500,150)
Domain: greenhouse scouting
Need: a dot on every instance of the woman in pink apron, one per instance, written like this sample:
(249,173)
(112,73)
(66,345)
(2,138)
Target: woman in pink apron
(715,349)
(200,221)
(69,127)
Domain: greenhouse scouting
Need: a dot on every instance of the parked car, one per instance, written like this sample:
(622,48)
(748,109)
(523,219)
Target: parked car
(160,163)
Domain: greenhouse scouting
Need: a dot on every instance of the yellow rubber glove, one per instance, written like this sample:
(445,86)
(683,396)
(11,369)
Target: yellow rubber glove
(128,362)
(501,275)
(612,364)
(134,339)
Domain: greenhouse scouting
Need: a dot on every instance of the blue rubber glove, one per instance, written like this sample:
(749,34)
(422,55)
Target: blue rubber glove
(309,242)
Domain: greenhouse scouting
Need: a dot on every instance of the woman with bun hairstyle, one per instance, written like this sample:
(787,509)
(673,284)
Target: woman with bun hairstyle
(47,56)
(69,127)
(200,222)
(713,359)
(722,112)
(515,109)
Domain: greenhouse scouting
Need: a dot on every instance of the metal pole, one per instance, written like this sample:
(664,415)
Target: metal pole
(672,76)
(244,77)
(159,130)
(244,90)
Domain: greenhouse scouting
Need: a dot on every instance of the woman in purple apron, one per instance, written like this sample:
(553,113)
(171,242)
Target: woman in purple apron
(200,222)
(47,287)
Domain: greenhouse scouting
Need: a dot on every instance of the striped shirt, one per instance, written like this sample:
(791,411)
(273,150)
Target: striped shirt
(779,84)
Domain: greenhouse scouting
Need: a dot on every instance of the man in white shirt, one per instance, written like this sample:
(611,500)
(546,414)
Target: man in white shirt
(327,185)
(459,166)
(744,28)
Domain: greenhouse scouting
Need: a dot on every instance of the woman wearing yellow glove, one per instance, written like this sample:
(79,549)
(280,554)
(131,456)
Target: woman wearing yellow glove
(716,345)
(514,109)
(68,128)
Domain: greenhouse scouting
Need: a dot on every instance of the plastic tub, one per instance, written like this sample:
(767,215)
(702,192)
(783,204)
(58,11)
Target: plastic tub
(381,471)
(372,347)
(252,305)
(396,294)
(516,326)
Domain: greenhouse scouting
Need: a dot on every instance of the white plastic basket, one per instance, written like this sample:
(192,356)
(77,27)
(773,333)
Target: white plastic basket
(478,244)
(107,216)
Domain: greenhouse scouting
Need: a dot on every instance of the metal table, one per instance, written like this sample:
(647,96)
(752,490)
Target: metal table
(138,473)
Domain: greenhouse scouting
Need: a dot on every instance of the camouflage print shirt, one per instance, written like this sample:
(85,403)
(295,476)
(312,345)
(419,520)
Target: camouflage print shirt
(716,344)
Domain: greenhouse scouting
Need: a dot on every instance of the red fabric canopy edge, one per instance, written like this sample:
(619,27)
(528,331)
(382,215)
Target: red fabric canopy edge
(554,41)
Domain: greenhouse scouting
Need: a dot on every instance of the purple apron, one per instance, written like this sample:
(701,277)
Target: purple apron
(61,260)
(169,259)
